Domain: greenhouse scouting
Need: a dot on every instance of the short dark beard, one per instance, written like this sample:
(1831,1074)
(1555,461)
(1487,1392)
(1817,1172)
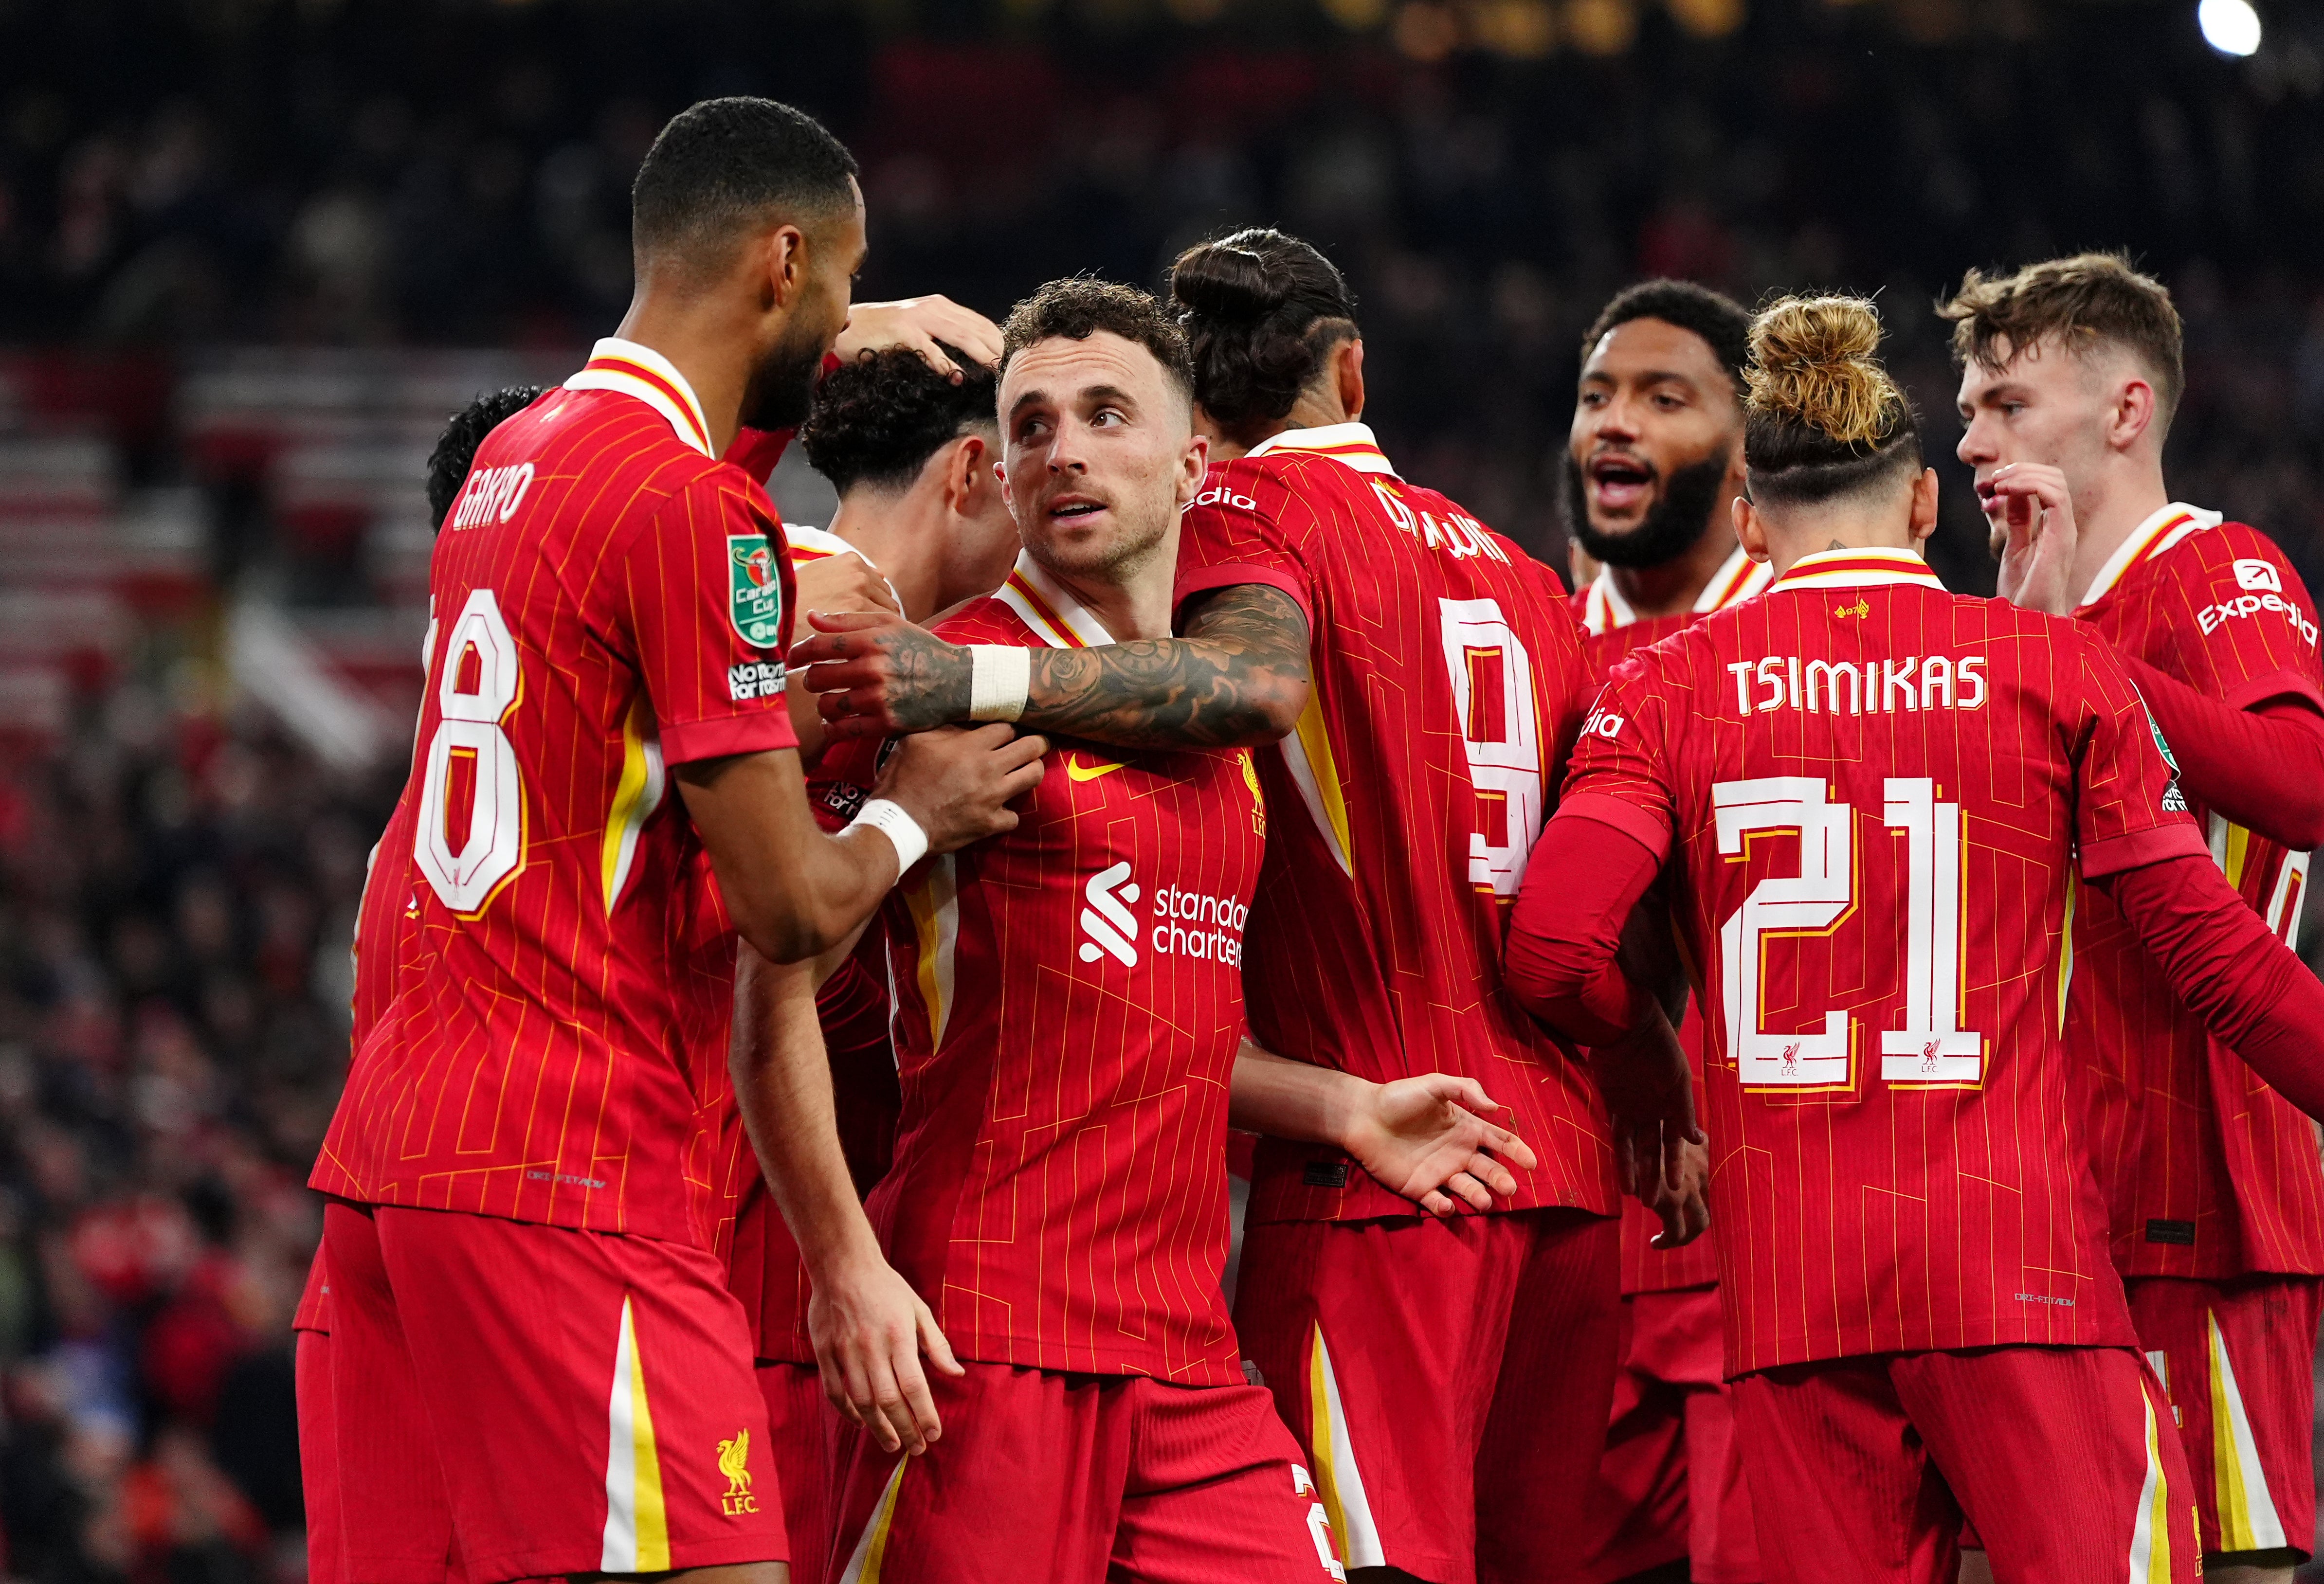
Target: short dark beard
(1673,526)
(782,387)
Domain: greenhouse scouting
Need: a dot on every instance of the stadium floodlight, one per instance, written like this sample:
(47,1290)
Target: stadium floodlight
(2229,26)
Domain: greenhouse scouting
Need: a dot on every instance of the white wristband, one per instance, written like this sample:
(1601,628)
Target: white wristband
(1000,677)
(890,820)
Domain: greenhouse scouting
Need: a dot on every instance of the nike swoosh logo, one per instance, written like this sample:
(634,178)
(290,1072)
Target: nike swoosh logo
(1081,772)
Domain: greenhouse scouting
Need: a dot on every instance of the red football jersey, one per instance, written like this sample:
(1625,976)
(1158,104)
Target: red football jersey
(1874,793)
(610,599)
(1069,1003)
(2210,1172)
(1612,632)
(1448,680)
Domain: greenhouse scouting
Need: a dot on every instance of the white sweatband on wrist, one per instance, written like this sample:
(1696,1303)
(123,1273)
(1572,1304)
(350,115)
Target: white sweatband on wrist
(890,820)
(1000,677)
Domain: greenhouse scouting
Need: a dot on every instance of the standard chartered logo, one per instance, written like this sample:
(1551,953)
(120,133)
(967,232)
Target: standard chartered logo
(1112,929)
(1187,924)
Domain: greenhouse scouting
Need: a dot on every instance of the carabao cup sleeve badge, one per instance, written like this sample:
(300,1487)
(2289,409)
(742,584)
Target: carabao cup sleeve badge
(757,595)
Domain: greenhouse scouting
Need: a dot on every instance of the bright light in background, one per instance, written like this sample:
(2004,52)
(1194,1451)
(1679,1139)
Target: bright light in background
(2229,26)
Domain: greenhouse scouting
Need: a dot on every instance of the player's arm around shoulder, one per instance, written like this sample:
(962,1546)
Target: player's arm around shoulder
(703,608)
(1236,676)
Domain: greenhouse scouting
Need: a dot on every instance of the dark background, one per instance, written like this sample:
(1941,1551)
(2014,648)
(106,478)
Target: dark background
(252,253)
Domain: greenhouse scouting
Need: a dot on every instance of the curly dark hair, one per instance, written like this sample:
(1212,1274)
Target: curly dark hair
(1723,323)
(1078,308)
(456,448)
(877,421)
(1262,312)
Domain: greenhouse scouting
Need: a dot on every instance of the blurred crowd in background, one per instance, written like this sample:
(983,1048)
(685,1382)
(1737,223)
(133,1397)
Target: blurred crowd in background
(184,180)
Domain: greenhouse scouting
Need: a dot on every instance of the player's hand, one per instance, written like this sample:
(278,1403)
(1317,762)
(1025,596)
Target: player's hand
(879,675)
(1422,1137)
(844,582)
(958,781)
(1682,1205)
(869,1329)
(1649,1089)
(919,323)
(2033,516)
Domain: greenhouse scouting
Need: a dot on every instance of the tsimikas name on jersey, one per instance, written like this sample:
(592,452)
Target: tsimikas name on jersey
(1883,687)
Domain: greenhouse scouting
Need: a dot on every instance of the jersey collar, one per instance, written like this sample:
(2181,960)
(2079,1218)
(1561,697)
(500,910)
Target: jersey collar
(2149,539)
(1874,568)
(1350,443)
(1042,603)
(615,364)
(1738,578)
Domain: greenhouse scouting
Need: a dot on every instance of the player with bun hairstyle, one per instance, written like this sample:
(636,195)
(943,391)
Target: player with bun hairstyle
(1415,677)
(2070,369)
(1873,797)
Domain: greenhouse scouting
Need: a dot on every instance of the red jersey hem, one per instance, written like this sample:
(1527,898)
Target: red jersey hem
(2137,849)
(1204,579)
(1651,833)
(1091,1362)
(755,734)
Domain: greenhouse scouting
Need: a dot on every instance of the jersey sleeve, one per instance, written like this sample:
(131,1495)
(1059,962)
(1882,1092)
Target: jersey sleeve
(1245,527)
(708,591)
(1620,773)
(2243,626)
(2128,810)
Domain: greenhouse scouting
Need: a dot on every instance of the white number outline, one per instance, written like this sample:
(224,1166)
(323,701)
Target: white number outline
(1931,1050)
(465,879)
(1510,768)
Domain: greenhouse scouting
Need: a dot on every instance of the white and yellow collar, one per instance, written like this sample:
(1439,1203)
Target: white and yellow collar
(1351,443)
(1865,568)
(1739,578)
(1042,603)
(615,364)
(2161,530)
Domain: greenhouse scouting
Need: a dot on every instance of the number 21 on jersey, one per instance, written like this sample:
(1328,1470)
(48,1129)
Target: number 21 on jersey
(1931,1048)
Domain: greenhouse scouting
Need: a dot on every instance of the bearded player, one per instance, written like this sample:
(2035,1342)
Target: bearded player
(2070,371)
(1874,794)
(1654,456)
(536,1370)
(1418,675)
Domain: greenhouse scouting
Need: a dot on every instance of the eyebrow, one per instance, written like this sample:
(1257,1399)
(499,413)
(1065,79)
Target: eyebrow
(1038,398)
(1650,377)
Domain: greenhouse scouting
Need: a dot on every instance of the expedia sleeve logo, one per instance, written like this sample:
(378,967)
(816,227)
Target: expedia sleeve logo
(756,601)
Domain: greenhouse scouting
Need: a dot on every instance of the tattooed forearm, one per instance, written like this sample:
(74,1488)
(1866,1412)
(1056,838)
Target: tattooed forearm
(1238,678)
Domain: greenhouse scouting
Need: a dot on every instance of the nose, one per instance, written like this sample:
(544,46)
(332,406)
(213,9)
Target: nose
(1065,452)
(1617,421)
(1976,445)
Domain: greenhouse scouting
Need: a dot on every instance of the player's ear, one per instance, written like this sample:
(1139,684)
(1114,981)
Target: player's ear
(783,255)
(1925,506)
(964,477)
(1750,528)
(1348,370)
(2134,412)
(1192,466)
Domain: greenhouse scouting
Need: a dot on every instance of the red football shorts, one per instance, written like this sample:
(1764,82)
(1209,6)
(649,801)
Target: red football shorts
(1671,1486)
(318,1458)
(1449,1380)
(804,1428)
(1042,1475)
(522,1401)
(1861,1469)
(2238,1360)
